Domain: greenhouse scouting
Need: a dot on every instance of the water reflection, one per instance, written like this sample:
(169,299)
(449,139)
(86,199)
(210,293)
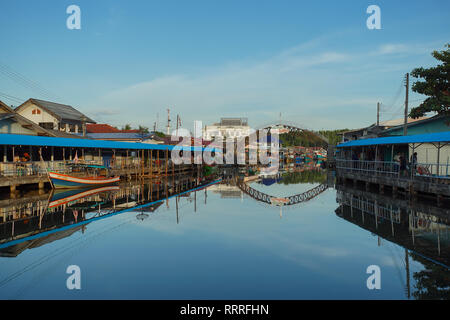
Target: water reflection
(422,229)
(34,221)
(236,245)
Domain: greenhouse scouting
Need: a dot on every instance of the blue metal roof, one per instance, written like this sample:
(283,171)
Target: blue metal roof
(26,140)
(417,138)
(115,135)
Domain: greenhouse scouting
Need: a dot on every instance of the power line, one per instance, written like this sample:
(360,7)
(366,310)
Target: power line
(11,98)
(22,80)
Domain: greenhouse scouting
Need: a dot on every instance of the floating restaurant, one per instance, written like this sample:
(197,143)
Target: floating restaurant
(416,165)
(25,160)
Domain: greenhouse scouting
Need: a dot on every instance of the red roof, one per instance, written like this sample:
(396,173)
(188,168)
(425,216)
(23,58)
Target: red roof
(106,128)
(100,128)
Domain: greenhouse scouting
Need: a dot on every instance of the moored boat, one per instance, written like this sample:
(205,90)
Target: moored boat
(60,181)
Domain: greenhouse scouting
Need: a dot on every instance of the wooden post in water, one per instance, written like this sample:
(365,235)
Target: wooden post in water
(151,163)
(176,201)
(167,159)
(158,163)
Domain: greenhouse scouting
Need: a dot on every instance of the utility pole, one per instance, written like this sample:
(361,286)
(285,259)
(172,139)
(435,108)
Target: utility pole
(405,124)
(168,122)
(378,114)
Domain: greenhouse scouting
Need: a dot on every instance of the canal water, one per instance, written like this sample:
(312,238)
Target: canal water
(220,240)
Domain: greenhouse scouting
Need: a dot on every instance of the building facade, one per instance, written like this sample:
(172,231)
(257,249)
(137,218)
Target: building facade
(54,116)
(227,128)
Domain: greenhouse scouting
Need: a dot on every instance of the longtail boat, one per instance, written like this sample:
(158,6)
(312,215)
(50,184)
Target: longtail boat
(59,180)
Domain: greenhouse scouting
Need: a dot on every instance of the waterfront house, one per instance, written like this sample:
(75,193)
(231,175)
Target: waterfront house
(53,116)
(13,123)
(426,152)
(375,130)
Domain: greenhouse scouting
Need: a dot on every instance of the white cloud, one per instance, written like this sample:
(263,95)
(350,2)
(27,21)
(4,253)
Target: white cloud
(301,83)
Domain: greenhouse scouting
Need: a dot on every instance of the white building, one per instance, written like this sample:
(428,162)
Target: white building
(227,128)
(53,116)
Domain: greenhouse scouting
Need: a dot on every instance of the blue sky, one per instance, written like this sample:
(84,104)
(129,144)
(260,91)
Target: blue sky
(315,62)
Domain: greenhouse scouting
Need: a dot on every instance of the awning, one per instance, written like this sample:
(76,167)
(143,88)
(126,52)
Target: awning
(26,140)
(417,138)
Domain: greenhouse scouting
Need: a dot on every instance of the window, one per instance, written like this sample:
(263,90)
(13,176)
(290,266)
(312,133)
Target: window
(36,111)
(46,125)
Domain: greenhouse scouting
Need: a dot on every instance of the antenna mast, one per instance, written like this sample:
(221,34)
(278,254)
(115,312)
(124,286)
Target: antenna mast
(168,122)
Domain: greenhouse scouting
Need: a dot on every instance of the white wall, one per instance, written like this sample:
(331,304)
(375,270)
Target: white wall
(27,110)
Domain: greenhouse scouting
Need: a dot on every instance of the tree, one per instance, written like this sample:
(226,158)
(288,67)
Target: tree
(143,129)
(436,86)
(127,127)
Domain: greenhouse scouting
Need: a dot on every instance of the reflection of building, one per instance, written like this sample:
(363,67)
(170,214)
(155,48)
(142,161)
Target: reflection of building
(420,228)
(226,191)
(227,128)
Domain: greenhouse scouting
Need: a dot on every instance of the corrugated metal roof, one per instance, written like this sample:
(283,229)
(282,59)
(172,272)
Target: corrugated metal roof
(25,140)
(115,135)
(417,138)
(100,128)
(62,110)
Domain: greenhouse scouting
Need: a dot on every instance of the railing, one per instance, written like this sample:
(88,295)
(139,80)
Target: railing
(40,168)
(370,167)
(432,170)
(391,168)
(387,212)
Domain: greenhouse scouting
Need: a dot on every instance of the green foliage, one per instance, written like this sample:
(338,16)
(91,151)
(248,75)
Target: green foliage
(310,139)
(436,86)
(307,176)
(160,134)
(127,127)
(432,282)
(333,135)
(301,138)
(143,129)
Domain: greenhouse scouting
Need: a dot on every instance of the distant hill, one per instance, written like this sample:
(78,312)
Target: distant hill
(307,138)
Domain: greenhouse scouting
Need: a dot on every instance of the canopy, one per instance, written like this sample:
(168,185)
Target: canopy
(26,140)
(417,138)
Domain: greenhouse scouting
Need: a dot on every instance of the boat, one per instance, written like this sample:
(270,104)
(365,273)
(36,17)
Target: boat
(60,181)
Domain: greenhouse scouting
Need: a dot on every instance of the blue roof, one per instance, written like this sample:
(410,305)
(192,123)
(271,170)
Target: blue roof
(417,138)
(115,135)
(26,140)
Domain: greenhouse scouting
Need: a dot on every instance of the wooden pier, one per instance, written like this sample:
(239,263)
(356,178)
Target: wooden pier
(25,161)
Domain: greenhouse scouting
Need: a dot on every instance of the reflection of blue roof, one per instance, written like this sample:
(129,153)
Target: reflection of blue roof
(418,138)
(25,140)
(269,181)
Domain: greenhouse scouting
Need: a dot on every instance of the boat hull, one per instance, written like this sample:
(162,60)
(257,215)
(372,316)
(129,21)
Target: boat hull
(62,181)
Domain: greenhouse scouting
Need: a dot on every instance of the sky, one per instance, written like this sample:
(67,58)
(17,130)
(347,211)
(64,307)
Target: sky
(314,62)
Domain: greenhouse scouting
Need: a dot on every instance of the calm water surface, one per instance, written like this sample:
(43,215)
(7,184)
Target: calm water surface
(220,244)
